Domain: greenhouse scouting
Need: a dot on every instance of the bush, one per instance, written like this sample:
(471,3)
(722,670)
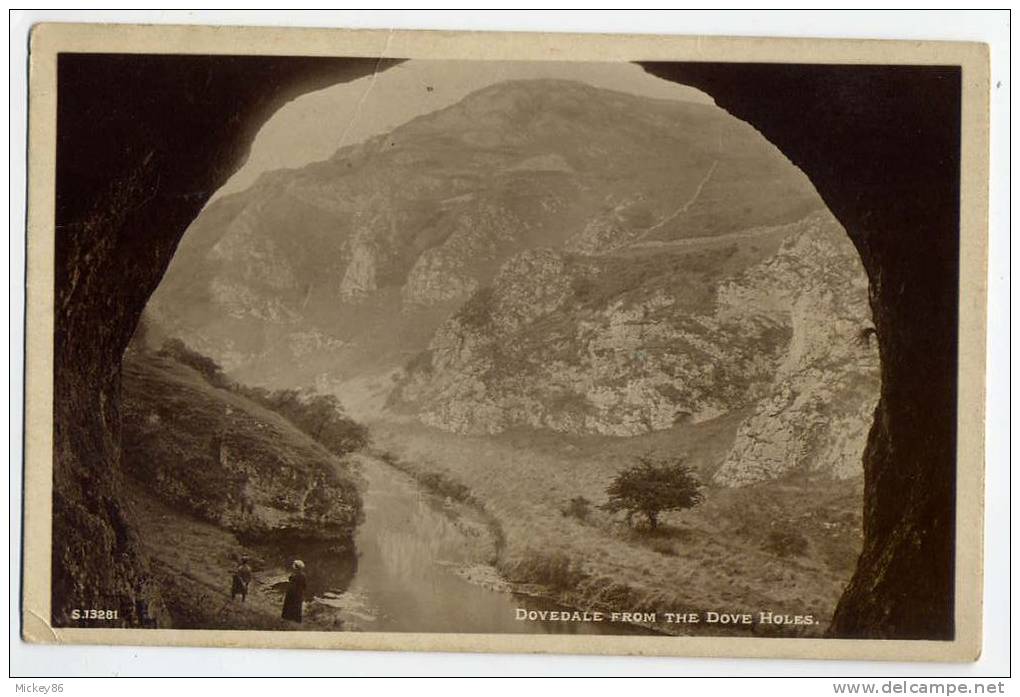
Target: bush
(207,367)
(664,547)
(320,416)
(555,570)
(654,486)
(579,507)
(477,310)
(786,543)
(584,289)
(444,486)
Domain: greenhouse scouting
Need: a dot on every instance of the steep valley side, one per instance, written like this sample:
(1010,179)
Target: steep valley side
(211,476)
(776,323)
(346,268)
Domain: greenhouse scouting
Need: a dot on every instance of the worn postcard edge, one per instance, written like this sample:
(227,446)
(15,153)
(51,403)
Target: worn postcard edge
(47,40)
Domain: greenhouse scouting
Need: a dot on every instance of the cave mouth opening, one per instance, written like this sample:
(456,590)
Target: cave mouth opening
(880,614)
(851,392)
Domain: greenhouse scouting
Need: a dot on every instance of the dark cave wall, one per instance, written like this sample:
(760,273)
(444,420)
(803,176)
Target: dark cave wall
(881,145)
(143,142)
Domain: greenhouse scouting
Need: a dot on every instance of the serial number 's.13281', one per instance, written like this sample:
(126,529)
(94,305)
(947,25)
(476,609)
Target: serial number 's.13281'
(90,614)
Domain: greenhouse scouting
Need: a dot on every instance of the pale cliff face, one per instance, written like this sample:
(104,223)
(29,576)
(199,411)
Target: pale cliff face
(820,404)
(778,336)
(359,277)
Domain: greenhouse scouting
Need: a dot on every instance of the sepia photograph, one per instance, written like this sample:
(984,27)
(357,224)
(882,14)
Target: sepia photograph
(618,353)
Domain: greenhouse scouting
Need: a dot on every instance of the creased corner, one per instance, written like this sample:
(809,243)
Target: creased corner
(37,630)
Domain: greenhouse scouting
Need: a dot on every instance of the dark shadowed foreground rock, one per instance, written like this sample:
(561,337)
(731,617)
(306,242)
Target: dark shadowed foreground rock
(143,141)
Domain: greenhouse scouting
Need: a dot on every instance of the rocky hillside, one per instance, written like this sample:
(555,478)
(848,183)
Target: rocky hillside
(774,321)
(223,459)
(818,408)
(344,269)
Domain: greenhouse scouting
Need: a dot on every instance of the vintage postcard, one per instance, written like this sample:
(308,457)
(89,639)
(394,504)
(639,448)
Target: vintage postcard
(505,342)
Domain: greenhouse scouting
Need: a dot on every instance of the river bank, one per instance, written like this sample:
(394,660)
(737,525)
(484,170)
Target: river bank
(536,583)
(192,561)
(424,559)
(785,547)
(457,533)
(211,476)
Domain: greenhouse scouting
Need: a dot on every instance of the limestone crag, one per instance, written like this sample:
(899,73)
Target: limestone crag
(359,277)
(623,346)
(821,402)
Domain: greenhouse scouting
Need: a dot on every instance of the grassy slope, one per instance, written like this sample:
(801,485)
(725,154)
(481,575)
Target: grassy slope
(190,554)
(786,546)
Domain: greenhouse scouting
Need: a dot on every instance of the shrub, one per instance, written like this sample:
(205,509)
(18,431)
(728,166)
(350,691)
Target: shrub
(555,570)
(320,416)
(786,543)
(207,367)
(578,507)
(584,289)
(864,336)
(444,486)
(664,547)
(477,311)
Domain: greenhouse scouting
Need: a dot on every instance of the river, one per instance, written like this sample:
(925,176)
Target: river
(412,551)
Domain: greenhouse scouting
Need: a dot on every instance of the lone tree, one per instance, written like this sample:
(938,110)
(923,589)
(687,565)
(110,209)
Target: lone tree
(654,486)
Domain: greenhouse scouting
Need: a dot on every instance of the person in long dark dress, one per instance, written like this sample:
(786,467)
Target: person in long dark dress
(241,580)
(295,596)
